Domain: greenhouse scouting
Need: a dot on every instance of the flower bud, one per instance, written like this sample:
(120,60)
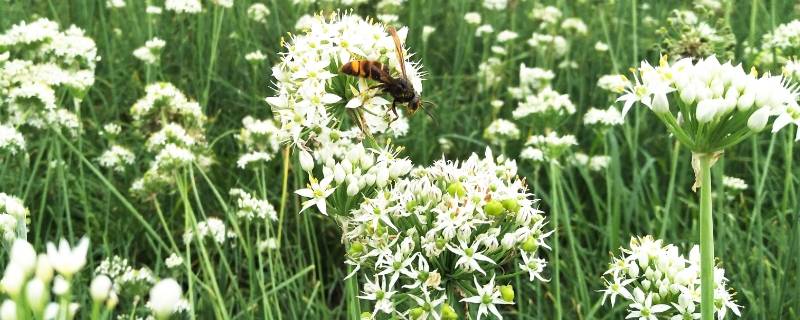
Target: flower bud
(60,285)
(507,293)
(660,103)
(706,110)
(494,208)
(100,288)
(306,161)
(8,310)
(164,297)
(112,300)
(512,205)
(448,313)
(382,178)
(339,174)
(688,94)
(13,280)
(37,295)
(44,271)
(530,244)
(456,189)
(416,313)
(352,188)
(23,255)
(758,120)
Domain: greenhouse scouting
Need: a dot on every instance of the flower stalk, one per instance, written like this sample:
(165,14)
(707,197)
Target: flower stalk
(706,239)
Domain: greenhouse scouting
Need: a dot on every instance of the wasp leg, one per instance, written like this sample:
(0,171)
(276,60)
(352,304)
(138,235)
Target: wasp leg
(396,116)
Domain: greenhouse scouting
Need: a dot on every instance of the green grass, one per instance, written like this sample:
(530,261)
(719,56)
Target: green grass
(646,190)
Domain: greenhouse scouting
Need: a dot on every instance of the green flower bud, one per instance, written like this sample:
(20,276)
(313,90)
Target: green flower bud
(440,243)
(448,313)
(507,293)
(530,245)
(511,205)
(416,313)
(494,208)
(356,248)
(456,189)
(411,205)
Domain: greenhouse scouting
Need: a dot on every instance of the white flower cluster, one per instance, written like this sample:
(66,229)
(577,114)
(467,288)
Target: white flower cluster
(212,228)
(550,147)
(615,83)
(783,42)
(733,183)
(260,140)
(531,80)
(500,131)
(258,12)
(117,158)
(718,105)
(150,53)
(30,278)
(593,163)
(657,282)
(495,4)
(13,218)
(184,6)
(11,141)
(255,56)
(490,73)
(251,208)
(38,65)
(347,163)
(547,16)
(451,225)
(177,138)
(547,102)
(125,277)
(603,117)
(309,68)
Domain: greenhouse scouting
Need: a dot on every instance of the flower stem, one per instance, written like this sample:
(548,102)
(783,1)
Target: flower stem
(706,241)
(555,176)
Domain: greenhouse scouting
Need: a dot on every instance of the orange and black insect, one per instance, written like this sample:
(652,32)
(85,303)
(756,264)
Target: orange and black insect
(399,88)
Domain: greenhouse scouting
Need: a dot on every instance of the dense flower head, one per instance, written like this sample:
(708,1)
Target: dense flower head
(501,131)
(249,207)
(150,53)
(258,12)
(184,6)
(175,130)
(615,83)
(117,158)
(473,217)
(603,117)
(13,218)
(127,280)
(546,102)
(710,106)
(347,167)
(549,147)
(653,278)
(688,34)
(212,228)
(782,43)
(39,64)
(11,141)
(260,141)
(591,163)
(308,73)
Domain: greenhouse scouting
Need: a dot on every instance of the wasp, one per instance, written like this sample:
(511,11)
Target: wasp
(400,88)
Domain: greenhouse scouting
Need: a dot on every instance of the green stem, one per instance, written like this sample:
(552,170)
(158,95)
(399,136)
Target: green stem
(706,241)
(554,205)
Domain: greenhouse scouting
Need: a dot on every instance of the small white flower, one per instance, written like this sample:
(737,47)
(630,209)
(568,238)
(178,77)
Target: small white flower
(487,298)
(165,297)
(318,192)
(65,260)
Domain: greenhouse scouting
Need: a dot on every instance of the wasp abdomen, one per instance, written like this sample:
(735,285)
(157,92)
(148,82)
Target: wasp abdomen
(367,69)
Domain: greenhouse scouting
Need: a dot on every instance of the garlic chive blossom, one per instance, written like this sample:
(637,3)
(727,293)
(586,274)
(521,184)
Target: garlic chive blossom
(710,106)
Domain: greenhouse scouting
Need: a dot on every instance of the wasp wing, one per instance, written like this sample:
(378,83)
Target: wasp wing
(399,49)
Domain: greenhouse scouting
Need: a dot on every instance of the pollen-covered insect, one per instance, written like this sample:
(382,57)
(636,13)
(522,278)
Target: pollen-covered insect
(400,88)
